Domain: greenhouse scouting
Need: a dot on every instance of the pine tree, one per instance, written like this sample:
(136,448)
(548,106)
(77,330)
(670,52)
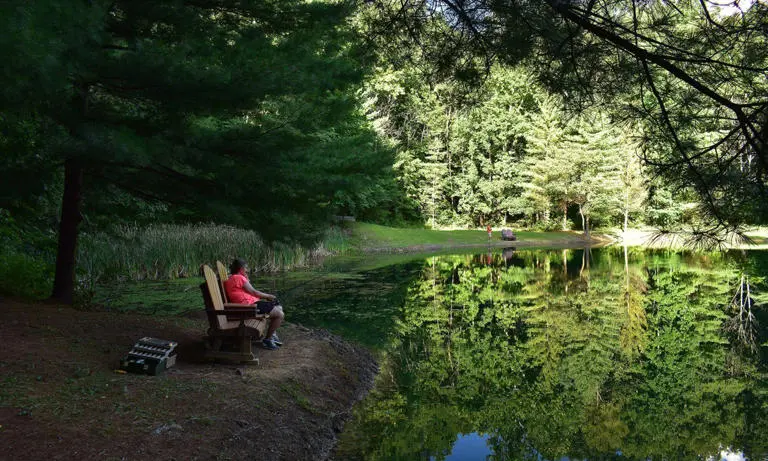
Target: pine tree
(489,146)
(236,110)
(546,168)
(634,184)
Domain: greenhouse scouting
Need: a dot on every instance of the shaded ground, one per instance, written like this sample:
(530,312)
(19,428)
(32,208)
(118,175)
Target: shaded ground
(60,397)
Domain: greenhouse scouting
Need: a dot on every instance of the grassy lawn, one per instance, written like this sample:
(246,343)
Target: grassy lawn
(375,237)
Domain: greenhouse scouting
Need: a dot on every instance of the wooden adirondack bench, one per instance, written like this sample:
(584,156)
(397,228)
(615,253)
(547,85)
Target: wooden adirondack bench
(230,324)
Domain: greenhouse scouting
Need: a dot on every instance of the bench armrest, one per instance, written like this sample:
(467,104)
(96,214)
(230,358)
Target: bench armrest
(235,311)
(238,306)
(244,313)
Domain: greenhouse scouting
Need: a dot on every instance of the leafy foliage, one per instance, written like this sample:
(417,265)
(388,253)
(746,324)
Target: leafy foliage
(239,112)
(690,75)
(510,154)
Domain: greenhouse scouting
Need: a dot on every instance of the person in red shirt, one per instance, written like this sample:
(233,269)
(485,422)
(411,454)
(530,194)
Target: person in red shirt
(239,290)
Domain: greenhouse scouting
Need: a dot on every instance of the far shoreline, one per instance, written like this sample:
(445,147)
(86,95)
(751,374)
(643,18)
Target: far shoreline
(370,239)
(530,244)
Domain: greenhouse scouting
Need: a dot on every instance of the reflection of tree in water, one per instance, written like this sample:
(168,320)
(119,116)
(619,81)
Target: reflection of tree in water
(743,321)
(628,353)
(633,333)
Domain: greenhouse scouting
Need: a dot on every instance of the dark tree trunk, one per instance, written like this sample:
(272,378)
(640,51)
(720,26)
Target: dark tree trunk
(64,281)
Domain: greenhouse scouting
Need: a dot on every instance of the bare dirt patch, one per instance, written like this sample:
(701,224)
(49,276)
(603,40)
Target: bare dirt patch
(60,397)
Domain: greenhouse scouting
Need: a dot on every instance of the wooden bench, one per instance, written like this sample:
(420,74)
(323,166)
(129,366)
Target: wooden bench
(230,324)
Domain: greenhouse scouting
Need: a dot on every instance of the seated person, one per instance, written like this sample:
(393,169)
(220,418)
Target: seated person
(239,290)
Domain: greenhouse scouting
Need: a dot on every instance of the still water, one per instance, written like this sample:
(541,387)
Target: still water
(555,355)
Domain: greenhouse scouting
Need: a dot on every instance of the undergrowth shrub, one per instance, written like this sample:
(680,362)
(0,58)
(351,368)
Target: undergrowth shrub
(24,275)
(26,261)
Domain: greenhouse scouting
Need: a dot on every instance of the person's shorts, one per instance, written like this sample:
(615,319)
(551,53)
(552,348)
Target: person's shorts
(265,307)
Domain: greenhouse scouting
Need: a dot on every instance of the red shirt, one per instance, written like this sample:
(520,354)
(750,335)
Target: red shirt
(235,291)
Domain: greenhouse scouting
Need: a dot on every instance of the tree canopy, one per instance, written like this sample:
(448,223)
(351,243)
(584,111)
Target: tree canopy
(277,115)
(239,112)
(692,72)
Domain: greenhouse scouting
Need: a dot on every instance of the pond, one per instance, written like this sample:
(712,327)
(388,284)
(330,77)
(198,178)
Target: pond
(554,354)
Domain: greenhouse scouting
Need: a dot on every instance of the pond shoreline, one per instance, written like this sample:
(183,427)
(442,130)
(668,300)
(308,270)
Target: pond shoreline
(644,239)
(62,397)
(596,242)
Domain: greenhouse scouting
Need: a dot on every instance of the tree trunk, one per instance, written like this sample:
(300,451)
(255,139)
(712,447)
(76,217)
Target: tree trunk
(565,216)
(626,208)
(433,203)
(586,229)
(626,220)
(64,280)
(583,222)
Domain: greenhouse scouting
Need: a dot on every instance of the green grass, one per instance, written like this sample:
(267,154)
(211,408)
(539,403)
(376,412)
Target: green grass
(366,236)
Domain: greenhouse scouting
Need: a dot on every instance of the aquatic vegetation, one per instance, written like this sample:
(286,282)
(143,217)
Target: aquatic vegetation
(160,252)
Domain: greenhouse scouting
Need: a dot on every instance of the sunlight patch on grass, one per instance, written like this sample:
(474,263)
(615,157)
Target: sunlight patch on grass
(372,236)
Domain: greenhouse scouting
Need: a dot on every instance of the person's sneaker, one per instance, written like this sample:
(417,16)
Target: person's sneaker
(268,344)
(275,339)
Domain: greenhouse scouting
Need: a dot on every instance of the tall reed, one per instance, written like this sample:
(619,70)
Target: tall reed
(174,251)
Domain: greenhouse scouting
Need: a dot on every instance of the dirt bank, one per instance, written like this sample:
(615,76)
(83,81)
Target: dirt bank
(60,397)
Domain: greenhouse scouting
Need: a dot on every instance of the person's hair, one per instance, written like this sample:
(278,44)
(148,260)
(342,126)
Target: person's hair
(237,264)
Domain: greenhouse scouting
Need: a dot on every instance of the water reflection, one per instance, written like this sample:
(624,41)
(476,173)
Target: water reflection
(727,455)
(569,354)
(472,446)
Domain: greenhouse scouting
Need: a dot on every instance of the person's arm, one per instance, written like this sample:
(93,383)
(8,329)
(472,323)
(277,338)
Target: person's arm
(249,288)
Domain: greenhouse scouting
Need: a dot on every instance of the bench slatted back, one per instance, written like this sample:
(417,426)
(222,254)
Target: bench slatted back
(215,292)
(222,270)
